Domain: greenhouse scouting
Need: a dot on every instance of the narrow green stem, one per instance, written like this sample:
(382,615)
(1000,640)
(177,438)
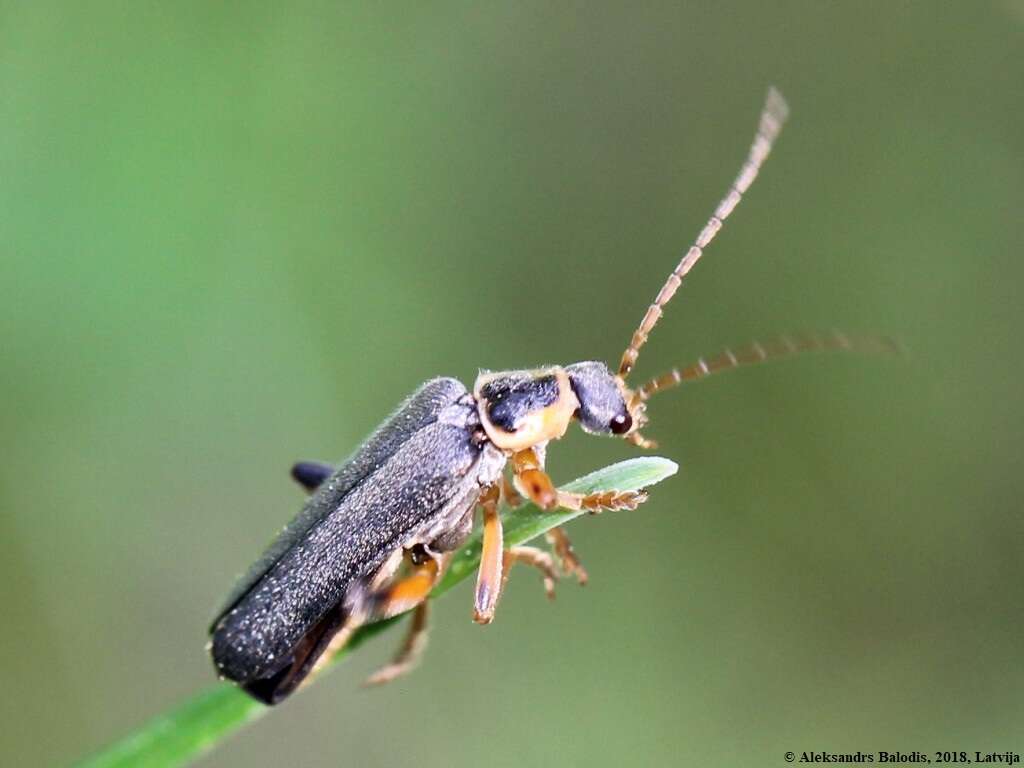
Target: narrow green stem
(180,735)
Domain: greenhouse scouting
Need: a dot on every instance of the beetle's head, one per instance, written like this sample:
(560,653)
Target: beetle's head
(606,406)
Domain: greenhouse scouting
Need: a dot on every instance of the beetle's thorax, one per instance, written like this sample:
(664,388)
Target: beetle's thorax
(520,409)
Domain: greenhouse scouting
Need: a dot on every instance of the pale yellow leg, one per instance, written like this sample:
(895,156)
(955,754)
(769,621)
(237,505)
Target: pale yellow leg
(537,558)
(488,582)
(410,653)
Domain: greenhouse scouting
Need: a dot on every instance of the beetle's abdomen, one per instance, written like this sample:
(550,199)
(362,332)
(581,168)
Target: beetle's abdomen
(416,412)
(402,494)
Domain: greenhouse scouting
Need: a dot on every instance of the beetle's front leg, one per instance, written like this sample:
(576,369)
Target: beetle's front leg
(488,580)
(531,480)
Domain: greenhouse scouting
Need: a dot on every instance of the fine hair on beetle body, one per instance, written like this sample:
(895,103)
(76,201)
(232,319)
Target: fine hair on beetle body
(377,532)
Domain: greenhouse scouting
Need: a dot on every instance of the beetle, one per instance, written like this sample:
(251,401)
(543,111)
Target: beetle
(376,533)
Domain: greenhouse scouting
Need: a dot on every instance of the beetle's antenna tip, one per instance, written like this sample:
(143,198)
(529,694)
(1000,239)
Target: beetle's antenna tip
(775,103)
(773,116)
(777,348)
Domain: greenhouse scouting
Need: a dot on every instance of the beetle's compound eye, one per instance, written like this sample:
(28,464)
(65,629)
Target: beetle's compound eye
(620,425)
(603,409)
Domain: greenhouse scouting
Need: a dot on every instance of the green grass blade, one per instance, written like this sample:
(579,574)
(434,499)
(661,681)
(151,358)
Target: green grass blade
(182,734)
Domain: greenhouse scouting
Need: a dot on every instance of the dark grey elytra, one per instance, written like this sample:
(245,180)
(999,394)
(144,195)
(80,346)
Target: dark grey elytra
(415,481)
(373,504)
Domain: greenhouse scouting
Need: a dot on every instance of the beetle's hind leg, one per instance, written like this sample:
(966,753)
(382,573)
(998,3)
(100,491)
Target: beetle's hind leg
(310,474)
(410,653)
(409,592)
(401,595)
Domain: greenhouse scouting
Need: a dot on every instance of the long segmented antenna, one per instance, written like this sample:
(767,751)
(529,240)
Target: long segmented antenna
(772,118)
(759,352)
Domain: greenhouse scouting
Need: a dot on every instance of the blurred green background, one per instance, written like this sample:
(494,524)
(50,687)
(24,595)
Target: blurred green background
(237,234)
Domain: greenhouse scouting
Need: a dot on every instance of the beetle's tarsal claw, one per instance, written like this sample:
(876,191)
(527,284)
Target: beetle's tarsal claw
(482,619)
(576,569)
(483,611)
(567,558)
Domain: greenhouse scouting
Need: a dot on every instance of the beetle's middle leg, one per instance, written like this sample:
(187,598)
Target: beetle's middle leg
(557,538)
(496,562)
(531,480)
(538,558)
(488,580)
